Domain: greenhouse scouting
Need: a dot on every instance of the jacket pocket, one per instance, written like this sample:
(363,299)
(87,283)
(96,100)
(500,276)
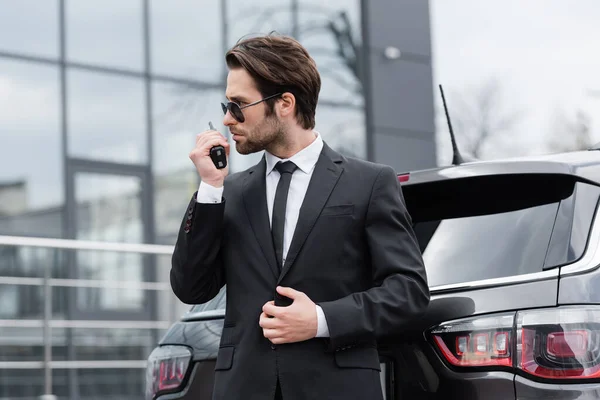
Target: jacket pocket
(343,209)
(358,357)
(224,358)
(228,336)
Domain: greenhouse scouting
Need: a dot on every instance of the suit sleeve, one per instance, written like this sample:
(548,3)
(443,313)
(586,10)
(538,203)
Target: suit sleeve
(400,293)
(197,272)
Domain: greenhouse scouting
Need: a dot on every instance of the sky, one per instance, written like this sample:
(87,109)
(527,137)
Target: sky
(542,53)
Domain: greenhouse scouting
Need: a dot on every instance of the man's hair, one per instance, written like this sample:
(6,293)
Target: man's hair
(280,64)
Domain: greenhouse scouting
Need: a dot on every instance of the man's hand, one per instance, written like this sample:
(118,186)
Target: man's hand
(294,323)
(200,156)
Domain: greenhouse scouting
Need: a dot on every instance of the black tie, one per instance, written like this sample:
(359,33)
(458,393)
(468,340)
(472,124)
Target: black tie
(278,224)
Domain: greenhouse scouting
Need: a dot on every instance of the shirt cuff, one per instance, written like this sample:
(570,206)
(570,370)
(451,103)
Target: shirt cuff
(209,194)
(322,328)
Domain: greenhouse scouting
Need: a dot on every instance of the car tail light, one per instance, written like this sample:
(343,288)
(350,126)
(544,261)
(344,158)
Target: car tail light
(559,343)
(404,177)
(563,343)
(476,342)
(166,370)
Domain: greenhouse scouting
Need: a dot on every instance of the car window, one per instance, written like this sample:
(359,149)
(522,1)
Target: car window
(486,246)
(585,209)
(486,227)
(572,227)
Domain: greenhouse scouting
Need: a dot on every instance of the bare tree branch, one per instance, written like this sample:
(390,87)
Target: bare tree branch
(482,117)
(570,133)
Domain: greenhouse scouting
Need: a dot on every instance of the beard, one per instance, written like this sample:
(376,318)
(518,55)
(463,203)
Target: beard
(263,136)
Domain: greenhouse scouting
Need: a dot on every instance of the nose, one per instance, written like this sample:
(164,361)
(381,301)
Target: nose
(228,120)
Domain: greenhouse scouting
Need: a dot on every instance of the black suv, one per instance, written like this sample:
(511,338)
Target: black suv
(512,254)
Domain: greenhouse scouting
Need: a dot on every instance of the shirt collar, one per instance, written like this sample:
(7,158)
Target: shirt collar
(305,159)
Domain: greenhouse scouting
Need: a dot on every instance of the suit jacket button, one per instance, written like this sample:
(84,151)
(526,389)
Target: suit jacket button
(272,347)
(186,229)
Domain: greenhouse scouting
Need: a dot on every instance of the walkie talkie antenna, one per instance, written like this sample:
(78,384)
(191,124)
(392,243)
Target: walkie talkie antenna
(456,157)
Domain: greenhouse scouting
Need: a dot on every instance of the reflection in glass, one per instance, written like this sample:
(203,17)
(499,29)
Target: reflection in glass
(244,18)
(106,32)
(60,383)
(343,129)
(457,249)
(21,383)
(168,306)
(21,344)
(113,383)
(583,216)
(31,262)
(29,26)
(332,35)
(27,301)
(179,114)
(113,343)
(185,39)
(21,301)
(31,183)
(109,299)
(109,209)
(216,303)
(106,116)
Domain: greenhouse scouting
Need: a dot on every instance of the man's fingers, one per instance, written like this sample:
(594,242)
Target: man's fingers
(204,137)
(267,322)
(275,336)
(289,292)
(214,141)
(272,334)
(271,309)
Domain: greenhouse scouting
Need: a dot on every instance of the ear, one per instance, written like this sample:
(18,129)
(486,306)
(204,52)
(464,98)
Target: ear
(287,105)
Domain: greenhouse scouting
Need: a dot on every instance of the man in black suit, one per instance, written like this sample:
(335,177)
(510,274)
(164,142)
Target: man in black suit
(316,249)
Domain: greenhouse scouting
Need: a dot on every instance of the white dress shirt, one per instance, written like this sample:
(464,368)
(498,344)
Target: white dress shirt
(305,159)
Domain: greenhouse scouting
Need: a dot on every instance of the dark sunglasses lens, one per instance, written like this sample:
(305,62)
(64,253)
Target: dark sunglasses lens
(235,111)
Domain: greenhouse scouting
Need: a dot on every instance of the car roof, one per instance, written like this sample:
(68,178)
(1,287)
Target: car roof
(585,165)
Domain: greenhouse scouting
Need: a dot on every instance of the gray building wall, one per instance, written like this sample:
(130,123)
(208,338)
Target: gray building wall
(398,77)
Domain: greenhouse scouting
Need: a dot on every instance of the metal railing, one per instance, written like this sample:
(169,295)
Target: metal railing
(47,282)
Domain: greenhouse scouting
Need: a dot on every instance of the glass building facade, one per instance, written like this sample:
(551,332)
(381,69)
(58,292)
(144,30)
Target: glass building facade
(105,99)
(100,102)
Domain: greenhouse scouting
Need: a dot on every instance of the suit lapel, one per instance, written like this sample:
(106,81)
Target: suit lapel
(255,201)
(324,178)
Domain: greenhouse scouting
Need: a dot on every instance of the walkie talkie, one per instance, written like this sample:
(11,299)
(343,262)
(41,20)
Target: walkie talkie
(217,153)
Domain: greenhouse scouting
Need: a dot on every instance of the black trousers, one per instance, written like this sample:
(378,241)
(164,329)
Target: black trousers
(278,392)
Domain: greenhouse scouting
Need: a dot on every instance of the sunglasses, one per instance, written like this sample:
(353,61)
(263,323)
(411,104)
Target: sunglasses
(236,110)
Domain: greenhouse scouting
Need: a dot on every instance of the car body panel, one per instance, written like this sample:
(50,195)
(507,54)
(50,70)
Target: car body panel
(581,288)
(580,281)
(202,336)
(526,389)
(583,164)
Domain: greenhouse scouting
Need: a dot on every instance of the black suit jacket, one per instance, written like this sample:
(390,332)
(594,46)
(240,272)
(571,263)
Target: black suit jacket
(353,252)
